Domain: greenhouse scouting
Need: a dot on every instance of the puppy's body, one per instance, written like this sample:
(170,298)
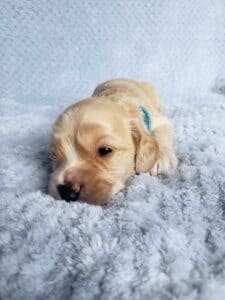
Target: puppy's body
(99,142)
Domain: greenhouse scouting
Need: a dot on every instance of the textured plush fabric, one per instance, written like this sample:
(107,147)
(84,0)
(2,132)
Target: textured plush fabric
(57,50)
(161,238)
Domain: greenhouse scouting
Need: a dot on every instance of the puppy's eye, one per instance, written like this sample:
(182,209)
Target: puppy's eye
(103,151)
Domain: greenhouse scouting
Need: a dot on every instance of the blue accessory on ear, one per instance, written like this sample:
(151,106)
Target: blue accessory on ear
(147,118)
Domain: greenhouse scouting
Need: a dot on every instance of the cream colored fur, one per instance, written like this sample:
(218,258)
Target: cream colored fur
(110,118)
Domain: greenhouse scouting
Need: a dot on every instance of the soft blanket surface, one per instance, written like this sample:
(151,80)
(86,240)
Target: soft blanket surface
(161,238)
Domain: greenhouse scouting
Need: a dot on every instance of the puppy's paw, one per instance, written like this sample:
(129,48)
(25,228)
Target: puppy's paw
(166,162)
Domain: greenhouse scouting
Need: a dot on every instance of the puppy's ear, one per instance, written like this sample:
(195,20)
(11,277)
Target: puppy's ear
(147,149)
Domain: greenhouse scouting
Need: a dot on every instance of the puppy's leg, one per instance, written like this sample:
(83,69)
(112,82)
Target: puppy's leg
(167,158)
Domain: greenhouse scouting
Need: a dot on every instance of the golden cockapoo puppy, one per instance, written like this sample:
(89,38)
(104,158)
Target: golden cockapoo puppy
(98,143)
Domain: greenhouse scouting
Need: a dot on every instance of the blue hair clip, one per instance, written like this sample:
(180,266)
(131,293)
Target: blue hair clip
(147,118)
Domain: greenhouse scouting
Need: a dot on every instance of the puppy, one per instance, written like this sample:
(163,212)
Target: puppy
(98,143)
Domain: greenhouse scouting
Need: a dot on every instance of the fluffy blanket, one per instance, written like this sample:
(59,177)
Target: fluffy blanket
(161,238)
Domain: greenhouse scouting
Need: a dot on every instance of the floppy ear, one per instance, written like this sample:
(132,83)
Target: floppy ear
(147,149)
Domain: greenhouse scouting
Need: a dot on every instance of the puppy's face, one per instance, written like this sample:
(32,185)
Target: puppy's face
(95,151)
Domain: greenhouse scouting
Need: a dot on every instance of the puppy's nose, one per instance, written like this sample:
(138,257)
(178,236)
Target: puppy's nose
(69,193)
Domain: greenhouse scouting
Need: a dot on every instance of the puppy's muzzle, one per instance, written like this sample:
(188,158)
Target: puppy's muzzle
(69,193)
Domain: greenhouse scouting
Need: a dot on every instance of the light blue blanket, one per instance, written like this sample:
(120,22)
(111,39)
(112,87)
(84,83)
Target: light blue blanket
(162,238)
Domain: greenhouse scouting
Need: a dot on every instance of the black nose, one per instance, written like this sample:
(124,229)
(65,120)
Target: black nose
(67,193)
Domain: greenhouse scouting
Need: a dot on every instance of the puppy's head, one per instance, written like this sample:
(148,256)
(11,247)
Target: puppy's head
(96,146)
